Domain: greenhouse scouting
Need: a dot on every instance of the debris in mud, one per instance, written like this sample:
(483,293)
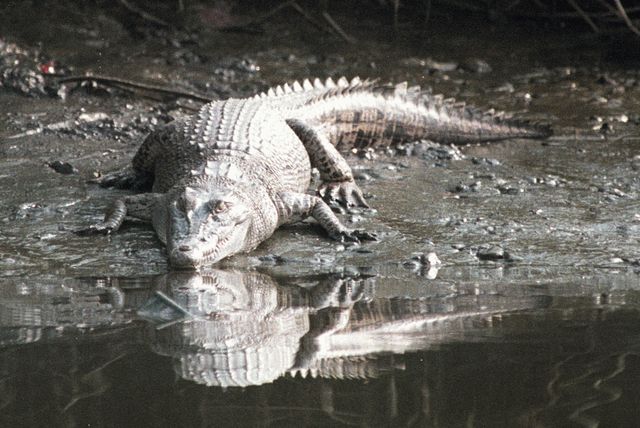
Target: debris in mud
(475,66)
(90,125)
(612,191)
(431,151)
(24,210)
(22,71)
(510,190)
(429,64)
(244,65)
(23,81)
(485,161)
(605,128)
(463,188)
(507,87)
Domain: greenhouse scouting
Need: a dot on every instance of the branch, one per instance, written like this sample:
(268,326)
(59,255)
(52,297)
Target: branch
(584,15)
(113,81)
(626,19)
(144,14)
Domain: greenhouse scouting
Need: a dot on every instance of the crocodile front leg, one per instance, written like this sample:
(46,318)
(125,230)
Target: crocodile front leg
(294,207)
(126,179)
(138,206)
(338,183)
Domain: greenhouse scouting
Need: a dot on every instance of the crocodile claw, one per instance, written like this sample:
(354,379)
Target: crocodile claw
(346,193)
(356,235)
(112,221)
(95,229)
(126,179)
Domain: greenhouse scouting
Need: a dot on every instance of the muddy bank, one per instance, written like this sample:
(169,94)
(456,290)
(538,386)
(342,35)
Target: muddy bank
(518,210)
(565,205)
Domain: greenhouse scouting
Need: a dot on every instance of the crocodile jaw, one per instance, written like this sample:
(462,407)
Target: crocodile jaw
(205,226)
(192,252)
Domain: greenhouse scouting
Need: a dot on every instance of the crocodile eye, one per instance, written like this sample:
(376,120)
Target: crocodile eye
(219,207)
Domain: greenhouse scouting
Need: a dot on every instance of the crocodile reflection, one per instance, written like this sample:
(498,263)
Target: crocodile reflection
(32,312)
(241,328)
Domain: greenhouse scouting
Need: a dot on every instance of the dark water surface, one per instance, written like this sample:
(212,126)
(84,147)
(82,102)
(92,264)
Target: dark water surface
(531,319)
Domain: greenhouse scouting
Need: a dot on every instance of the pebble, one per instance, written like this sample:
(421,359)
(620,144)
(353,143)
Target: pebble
(92,117)
(485,161)
(491,253)
(430,259)
(510,190)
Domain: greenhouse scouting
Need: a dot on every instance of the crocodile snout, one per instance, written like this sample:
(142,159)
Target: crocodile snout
(185,257)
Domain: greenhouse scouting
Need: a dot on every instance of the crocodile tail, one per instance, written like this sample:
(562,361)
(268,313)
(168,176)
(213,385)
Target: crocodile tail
(362,114)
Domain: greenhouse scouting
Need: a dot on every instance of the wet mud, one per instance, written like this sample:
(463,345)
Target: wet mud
(532,244)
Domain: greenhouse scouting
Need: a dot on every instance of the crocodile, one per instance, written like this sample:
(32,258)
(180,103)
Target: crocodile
(222,181)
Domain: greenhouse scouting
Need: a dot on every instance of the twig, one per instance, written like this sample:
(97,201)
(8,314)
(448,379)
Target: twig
(396,6)
(269,14)
(292,3)
(512,5)
(427,16)
(113,81)
(626,19)
(584,15)
(143,14)
(338,29)
(612,9)
(541,5)
(310,18)
(463,5)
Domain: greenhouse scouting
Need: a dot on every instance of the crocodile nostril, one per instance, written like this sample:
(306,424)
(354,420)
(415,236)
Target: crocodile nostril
(184,248)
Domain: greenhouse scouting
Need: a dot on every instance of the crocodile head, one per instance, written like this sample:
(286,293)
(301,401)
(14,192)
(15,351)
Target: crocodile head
(202,226)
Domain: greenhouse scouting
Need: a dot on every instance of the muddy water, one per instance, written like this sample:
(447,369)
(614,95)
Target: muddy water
(530,318)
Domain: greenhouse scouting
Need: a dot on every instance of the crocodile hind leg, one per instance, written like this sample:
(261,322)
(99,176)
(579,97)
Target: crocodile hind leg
(337,179)
(138,206)
(141,176)
(293,207)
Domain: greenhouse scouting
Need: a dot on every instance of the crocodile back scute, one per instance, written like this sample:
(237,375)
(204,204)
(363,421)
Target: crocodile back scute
(235,139)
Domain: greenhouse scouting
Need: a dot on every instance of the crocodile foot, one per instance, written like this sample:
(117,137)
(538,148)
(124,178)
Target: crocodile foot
(356,235)
(126,179)
(346,193)
(95,229)
(112,221)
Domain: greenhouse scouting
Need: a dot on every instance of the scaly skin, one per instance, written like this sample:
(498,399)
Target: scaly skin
(224,179)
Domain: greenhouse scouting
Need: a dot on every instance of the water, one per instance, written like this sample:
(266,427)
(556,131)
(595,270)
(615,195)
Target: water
(304,331)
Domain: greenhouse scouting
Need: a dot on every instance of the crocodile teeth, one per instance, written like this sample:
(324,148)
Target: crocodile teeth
(297,87)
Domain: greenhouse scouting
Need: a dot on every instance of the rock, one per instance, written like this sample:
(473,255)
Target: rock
(62,167)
